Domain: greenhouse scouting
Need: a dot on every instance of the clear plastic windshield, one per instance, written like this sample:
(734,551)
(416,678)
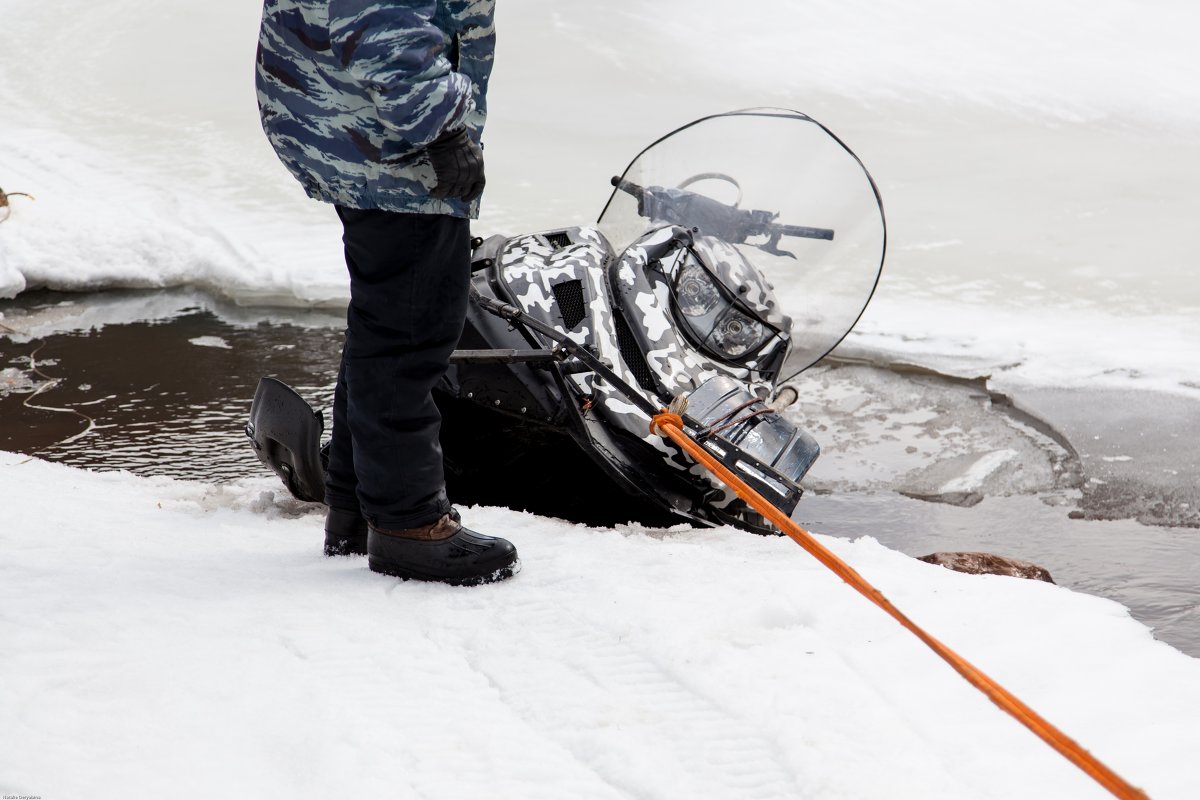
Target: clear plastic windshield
(794,200)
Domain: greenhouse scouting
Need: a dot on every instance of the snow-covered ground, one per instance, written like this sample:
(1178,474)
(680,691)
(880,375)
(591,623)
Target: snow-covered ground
(173,639)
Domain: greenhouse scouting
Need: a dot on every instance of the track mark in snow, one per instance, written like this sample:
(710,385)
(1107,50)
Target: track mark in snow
(619,712)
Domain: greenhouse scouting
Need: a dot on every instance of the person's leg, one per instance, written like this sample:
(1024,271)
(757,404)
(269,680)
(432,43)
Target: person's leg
(409,285)
(345,528)
(341,486)
(409,276)
(378,245)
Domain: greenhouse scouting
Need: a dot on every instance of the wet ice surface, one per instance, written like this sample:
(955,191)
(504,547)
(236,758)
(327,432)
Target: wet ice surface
(1107,454)
(926,436)
(1138,451)
(917,460)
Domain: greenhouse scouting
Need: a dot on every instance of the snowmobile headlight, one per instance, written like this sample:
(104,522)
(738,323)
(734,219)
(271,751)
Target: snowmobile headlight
(712,318)
(695,291)
(736,334)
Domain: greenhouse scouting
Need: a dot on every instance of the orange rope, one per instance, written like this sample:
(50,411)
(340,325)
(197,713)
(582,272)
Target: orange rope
(671,425)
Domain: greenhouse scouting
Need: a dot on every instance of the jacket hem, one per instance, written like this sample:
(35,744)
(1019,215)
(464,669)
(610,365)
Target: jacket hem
(393,201)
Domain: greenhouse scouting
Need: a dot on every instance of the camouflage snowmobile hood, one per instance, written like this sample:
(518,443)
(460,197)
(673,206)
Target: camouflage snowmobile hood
(351,91)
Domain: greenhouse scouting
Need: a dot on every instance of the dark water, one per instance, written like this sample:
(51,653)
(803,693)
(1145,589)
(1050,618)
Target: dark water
(156,402)
(1152,570)
(158,398)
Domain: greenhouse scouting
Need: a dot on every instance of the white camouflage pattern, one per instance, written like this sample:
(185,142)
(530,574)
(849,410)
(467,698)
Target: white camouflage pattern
(634,285)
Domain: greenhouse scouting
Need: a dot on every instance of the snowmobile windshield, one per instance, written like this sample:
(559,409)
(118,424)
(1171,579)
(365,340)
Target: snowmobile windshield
(782,190)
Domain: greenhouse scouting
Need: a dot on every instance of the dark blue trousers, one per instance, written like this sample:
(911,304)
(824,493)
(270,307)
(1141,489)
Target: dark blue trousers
(409,281)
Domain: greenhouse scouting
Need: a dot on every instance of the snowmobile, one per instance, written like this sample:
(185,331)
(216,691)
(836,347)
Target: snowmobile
(576,337)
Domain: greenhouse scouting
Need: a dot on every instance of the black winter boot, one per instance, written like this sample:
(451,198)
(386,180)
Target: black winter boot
(443,551)
(345,533)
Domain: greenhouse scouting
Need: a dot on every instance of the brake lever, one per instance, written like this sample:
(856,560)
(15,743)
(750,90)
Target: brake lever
(772,246)
(762,224)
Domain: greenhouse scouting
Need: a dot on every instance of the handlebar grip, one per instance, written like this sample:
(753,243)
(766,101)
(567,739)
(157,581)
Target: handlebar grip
(629,187)
(805,232)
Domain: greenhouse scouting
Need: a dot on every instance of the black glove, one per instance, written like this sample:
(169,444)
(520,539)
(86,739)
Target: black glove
(458,163)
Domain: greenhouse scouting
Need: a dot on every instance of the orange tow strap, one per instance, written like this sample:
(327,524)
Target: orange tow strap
(671,425)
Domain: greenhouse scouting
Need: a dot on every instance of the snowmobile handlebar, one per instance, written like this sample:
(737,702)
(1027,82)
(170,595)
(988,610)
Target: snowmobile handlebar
(735,225)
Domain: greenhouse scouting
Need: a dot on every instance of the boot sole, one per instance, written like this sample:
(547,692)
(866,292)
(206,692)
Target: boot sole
(397,571)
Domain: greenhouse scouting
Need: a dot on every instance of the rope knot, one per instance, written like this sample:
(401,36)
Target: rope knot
(662,418)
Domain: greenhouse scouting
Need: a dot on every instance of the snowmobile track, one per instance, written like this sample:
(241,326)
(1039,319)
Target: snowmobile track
(651,714)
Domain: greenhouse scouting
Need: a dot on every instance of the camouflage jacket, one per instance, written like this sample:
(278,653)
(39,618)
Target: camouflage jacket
(351,91)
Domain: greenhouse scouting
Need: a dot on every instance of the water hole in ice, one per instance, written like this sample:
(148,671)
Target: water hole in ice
(160,383)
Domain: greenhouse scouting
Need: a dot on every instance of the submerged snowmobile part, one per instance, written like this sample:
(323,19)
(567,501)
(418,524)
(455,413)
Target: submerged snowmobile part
(563,280)
(286,435)
(758,444)
(545,469)
(505,422)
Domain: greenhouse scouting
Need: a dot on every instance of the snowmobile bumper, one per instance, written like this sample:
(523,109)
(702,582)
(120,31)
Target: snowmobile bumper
(753,440)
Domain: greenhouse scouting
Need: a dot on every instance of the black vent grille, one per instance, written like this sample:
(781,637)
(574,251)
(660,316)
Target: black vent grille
(632,356)
(558,240)
(569,295)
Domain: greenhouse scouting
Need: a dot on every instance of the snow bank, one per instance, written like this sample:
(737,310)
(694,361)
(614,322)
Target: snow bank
(1056,346)
(12,283)
(177,639)
(104,220)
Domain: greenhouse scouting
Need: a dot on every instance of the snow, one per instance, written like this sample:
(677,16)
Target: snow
(12,282)
(210,341)
(981,469)
(1068,347)
(166,638)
